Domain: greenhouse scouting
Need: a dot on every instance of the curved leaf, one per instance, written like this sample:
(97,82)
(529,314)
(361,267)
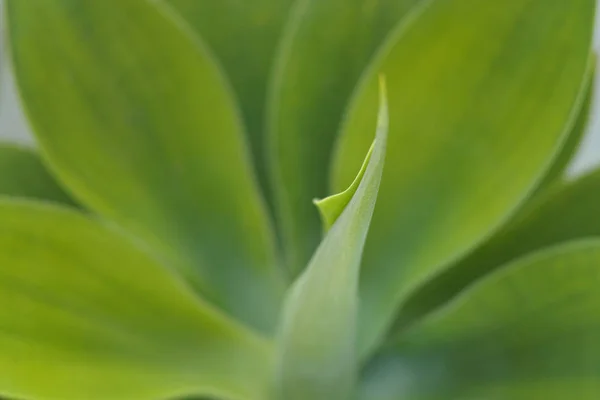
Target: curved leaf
(332,207)
(573,142)
(85,315)
(134,117)
(314,76)
(22,174)
(243,35)
(566,212)
(528,332)
(478,111)
(317,338)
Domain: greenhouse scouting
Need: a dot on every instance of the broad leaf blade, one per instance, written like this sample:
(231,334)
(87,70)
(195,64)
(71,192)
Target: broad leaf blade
(22,174)
(314,76)
(243,35)
(317,339)
(564,213)
(134,117)
(85,315)
(528,332)
(484,96)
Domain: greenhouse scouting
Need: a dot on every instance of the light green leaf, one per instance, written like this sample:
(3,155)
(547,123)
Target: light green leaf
(134,117)
(326,47)
(528,332)
(85,315)
(243,35)
(483,97)
(559,211)
(317,338)
(565,212)
(22,174)
(332,207)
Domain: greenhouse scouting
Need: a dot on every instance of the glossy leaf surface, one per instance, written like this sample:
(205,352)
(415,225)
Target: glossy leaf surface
(85,315)
(22,174)
(566,212)
(135,118)
(478,112)
(527,332)
(327,46)
(317,339)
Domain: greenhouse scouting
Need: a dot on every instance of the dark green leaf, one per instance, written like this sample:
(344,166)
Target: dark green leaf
(22,174)
(243,35)
(528,332)
(134,117)
(478,112)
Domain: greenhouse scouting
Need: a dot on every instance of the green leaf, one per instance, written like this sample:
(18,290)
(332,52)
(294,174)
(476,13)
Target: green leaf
(565,212)
(2,52)
(483,96)
(85,315)
(332,207)
(572,143)
(22,174)
(528,332)
(559,210)
(313,79)
(243,35)
(134,117)
(317,338)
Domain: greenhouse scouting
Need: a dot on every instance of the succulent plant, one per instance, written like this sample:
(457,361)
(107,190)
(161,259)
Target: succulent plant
(294,200)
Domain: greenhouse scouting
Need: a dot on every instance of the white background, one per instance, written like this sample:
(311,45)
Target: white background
(14,127)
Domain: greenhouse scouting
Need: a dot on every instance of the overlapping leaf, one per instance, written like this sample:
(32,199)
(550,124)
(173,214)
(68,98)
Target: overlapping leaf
(528,332)
(326,47)
(571,147)
(22,174)
(330,208)
(566,212)
(243,35)
(134,116)
(85,315)
(480,109)
(317,339)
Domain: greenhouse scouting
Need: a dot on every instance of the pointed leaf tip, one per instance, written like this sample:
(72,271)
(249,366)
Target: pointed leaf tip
(317,336)
(450,101)
(382,89)
(331,207)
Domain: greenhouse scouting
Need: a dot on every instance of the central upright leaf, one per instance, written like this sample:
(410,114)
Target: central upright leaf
(317,340)
(135,118)
(325,49)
